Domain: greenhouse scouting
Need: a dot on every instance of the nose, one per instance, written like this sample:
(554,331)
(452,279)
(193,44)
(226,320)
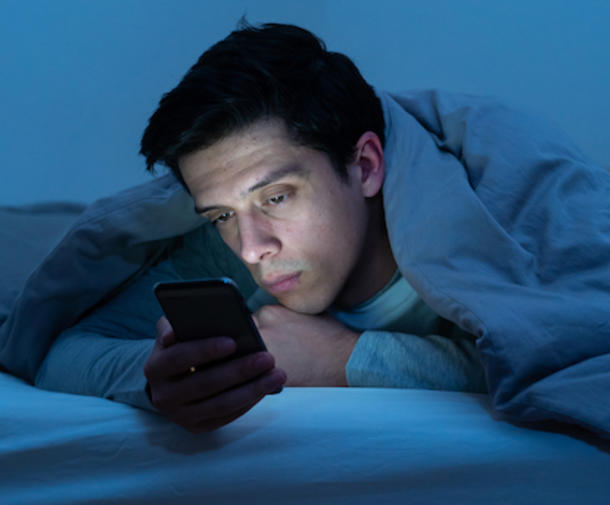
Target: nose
(257,240)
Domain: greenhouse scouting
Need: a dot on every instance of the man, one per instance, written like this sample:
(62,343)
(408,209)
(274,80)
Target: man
(297,197)
(381,277)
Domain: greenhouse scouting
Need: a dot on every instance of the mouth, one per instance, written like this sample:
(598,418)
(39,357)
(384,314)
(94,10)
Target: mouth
(281,283)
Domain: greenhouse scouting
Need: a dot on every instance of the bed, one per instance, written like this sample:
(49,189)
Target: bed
(305,445)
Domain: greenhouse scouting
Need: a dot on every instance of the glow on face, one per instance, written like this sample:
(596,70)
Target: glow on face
(283,210)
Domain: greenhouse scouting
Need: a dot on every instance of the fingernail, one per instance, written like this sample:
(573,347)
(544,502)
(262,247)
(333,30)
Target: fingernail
(167,339)
(261,362)
(225,345)
(275,381)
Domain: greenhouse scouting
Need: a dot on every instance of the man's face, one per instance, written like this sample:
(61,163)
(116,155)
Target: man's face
(283,209)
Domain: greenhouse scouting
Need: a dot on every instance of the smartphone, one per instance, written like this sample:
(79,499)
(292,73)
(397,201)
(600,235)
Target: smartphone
(211,307)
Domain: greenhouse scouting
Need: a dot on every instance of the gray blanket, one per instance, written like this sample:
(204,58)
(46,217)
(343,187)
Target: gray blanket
(499,223)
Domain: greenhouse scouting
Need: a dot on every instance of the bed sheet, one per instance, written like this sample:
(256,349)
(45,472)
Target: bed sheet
(304,445)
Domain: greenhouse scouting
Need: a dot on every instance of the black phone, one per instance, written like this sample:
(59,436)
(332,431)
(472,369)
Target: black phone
(211,307)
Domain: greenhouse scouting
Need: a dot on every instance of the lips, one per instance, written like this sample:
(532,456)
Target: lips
(281,283)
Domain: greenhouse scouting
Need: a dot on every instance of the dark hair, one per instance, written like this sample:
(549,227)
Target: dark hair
(271,71)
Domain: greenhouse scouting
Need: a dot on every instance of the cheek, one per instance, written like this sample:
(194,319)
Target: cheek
(345,236)
(325,239)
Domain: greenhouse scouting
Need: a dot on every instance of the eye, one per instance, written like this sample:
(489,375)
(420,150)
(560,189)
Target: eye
(223,218)
(276,200)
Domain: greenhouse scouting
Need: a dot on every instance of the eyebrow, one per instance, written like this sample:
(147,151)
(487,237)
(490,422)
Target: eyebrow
(270,178)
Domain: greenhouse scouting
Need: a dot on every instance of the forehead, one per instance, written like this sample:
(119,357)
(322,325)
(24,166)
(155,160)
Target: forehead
(242,157)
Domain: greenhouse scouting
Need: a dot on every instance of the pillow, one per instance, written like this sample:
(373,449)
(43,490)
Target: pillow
(28,234)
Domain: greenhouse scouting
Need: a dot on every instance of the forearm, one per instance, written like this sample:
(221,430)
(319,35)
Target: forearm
(104,353)
(90,364)
(388,359)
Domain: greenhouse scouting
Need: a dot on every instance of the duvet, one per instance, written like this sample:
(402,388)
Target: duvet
(499,223)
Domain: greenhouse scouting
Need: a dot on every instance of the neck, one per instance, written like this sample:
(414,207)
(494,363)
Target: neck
(374,268)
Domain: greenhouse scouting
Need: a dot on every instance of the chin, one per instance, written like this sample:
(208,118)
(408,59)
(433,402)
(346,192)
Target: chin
(304,304)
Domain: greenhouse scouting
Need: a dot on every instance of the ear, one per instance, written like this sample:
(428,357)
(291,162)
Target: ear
(368,165)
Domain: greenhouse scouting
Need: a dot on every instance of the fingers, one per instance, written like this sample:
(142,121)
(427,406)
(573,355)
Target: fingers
(218,392)
(226,407)
(176,360)
(212,380)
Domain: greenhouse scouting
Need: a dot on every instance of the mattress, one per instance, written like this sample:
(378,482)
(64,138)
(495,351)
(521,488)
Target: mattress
(304,445)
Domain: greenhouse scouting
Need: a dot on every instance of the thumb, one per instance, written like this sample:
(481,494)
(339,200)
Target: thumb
(165,333)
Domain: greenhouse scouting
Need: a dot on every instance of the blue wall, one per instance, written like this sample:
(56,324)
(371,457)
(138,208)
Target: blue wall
(80,78)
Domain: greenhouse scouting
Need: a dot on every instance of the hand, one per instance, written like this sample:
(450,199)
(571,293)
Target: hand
(216,393)
(312,349)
